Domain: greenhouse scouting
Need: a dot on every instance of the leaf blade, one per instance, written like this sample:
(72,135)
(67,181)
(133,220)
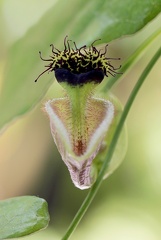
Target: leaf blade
(22,216)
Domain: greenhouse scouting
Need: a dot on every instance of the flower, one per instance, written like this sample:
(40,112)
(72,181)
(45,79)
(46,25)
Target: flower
(81,124)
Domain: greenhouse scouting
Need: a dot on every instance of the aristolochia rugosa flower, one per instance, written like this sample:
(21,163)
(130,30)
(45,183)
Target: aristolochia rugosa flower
(82,125)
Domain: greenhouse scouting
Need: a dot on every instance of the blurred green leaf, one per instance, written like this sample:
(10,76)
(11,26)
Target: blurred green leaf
(21,216)
(131,60)
(84,21)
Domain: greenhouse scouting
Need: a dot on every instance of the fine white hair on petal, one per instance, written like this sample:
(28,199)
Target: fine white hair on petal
(79,166)
(104,126)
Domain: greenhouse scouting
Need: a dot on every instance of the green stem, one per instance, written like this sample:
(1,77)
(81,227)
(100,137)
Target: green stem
(97,184)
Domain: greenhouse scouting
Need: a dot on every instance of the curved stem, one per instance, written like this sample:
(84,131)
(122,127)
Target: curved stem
(97,184)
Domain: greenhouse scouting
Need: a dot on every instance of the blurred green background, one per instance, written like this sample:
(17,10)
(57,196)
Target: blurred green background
(128,205)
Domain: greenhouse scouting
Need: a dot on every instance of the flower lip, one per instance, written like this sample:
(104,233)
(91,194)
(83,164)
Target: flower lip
(79,60)
(64,75)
